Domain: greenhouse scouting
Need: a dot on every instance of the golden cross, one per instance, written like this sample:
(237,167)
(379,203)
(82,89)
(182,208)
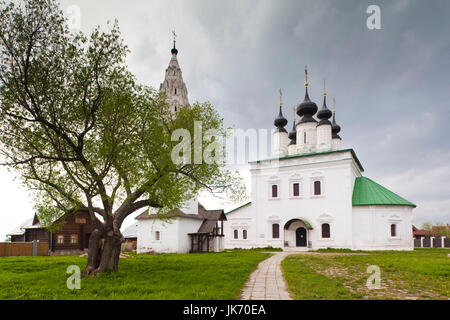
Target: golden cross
(334,103)
(294,112)
(174,36)
(306,75)
(281,102)
(324,88)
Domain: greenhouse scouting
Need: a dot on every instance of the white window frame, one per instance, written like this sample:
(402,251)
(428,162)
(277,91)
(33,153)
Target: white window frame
(274,181)
(300,188)
(322,187)
(278,191)
(394,219)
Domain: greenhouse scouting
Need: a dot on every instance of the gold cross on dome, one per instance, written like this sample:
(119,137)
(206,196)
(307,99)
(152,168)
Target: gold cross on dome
(306,75)
(174,36)
(281,102)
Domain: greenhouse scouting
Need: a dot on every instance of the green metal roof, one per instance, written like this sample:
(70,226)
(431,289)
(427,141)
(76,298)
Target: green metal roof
(245,204)
(368,192)
(314,154)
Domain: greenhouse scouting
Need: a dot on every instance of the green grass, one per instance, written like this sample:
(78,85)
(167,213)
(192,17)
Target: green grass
(331,274)
(168,276)
(306,284)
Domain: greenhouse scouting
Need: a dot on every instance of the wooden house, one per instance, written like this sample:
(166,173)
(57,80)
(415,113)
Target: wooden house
(71,237)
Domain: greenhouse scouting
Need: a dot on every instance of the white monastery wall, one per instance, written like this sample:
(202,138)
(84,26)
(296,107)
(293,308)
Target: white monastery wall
(372,228)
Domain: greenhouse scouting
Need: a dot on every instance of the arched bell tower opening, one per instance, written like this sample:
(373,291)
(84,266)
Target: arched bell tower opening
(296,234)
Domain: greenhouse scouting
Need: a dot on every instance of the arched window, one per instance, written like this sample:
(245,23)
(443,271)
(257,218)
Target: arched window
(236,234)
(393,230)
(304,137)
(325,230)
(157,235)
(317,188)
(275,231)
(244,234)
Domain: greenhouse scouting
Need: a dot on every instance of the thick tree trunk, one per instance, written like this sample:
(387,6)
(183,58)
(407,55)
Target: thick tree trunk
(103,252)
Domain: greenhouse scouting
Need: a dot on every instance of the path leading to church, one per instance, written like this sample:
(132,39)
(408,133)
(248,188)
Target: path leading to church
(267,281)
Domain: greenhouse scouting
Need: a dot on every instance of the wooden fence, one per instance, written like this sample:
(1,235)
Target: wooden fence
(17,249)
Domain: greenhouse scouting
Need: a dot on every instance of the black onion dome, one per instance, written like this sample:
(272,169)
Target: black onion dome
(307,109)
(293,134)
(280,122)
(335,128)
(324,113)
(174,50)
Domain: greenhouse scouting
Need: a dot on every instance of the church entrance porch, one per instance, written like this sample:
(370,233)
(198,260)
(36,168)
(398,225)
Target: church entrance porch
(296,235)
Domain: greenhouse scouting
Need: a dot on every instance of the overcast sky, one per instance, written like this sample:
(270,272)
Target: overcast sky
(391,85)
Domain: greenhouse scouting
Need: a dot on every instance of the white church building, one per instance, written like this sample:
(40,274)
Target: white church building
(312,194)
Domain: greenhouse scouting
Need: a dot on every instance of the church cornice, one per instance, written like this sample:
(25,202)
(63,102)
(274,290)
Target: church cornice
(312,155)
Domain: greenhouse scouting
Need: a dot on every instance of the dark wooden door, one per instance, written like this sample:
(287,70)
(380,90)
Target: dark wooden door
(300,236)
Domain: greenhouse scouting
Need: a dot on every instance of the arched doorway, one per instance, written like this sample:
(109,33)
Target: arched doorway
(296,233)
(300,237)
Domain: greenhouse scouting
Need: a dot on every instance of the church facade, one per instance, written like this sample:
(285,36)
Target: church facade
(311,194)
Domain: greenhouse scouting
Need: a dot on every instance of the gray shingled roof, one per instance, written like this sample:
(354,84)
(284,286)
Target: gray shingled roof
(20,230)
(130,231)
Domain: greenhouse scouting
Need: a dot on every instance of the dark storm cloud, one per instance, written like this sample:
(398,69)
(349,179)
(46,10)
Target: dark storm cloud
(391,85)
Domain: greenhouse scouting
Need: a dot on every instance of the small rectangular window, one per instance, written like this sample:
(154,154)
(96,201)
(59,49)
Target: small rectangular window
(325,230)
(275,231)
(157,235)
(60,239)
(274,191)
(317,188)
(80,220)
(74,239)
(296,189)
(393,230)
(235,234)
(244,234)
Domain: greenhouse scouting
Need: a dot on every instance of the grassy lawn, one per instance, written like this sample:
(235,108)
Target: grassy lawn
(420,274)
(167,276)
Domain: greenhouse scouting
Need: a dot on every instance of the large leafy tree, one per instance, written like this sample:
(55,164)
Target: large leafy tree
(81,133)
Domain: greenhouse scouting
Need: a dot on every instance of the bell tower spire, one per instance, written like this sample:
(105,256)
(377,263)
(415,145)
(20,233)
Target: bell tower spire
(173,85)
